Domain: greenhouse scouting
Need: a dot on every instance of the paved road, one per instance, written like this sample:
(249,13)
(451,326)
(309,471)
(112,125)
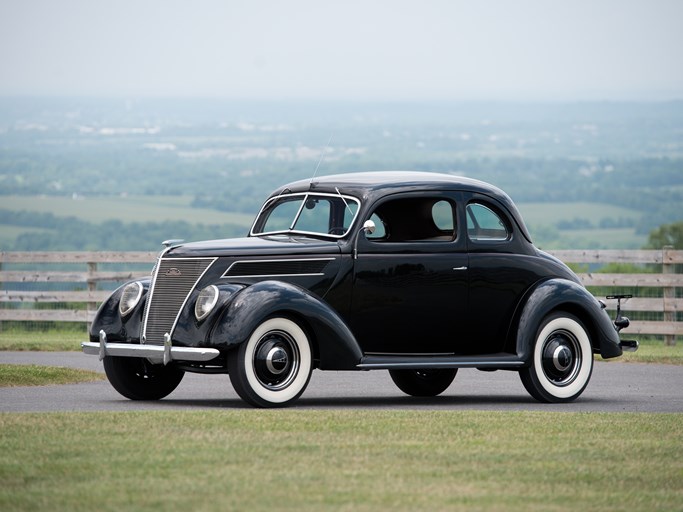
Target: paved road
(614,387)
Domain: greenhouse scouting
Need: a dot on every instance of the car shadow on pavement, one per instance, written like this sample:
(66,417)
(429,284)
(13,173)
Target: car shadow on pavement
(503,403)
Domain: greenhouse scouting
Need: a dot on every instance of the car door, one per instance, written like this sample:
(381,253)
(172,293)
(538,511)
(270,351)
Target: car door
(502,268)
(410,286)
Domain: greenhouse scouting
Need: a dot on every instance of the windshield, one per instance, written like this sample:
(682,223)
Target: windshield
(306,213)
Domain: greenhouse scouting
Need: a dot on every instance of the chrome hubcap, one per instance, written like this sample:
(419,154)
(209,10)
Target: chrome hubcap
(276,360)
(561,358)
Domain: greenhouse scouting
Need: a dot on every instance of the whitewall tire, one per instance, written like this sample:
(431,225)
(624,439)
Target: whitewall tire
(562,360)
(273,367)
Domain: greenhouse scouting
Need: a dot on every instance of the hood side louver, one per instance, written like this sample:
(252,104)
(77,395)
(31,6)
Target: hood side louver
(271,268)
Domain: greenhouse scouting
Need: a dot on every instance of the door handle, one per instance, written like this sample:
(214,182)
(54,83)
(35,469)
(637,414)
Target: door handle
(460,268)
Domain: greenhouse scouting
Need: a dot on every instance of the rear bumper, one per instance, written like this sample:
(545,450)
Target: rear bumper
(629,345)
(156,353)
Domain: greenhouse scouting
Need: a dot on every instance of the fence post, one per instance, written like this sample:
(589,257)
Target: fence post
(669,292)
(92,287)
(1,284)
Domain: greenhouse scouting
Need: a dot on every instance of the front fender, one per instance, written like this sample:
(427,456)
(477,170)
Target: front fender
(336,346)
(109,320)
(564,295)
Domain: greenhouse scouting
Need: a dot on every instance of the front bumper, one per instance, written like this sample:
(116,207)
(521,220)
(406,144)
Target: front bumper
(155,353)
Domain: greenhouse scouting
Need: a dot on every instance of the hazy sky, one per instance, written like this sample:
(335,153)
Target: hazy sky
(346,49)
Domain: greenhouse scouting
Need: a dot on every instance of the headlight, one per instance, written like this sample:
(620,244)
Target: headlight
(130,298)
(205,302)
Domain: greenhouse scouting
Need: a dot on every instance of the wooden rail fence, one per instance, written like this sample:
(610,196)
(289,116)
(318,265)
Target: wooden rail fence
(86,284)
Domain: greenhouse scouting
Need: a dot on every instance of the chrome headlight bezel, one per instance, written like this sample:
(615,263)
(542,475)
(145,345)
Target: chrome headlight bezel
(206,301)
(130,298)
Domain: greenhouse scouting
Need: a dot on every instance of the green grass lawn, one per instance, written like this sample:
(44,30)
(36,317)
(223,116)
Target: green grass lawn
(341,460)
(49,341)
(34,375)
(654,351)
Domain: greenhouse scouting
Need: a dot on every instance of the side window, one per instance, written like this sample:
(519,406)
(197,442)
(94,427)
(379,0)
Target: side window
(483,224)
(423,219)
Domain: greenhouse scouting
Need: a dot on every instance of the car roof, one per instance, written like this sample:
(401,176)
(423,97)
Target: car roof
(371,185)
(390,179)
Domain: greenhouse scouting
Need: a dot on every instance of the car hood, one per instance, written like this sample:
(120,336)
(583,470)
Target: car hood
(254,246)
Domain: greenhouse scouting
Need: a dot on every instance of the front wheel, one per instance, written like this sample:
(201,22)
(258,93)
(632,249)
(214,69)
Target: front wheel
(423,382)
(562,360)
(274,366)
(138,379)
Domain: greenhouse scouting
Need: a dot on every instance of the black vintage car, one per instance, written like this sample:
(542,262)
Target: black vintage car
(416,273)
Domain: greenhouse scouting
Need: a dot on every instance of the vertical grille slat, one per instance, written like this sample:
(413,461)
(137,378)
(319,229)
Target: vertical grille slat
(174,281)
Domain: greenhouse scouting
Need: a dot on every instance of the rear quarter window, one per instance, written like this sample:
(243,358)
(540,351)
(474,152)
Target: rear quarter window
(485,225)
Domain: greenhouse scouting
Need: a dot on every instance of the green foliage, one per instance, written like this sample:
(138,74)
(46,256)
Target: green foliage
(626,268)
(668,234)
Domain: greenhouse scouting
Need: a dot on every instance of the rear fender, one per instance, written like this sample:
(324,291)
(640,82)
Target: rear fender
(564,295)
(336,346)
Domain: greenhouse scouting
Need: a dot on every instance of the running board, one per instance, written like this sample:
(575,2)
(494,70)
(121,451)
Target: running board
(492,361)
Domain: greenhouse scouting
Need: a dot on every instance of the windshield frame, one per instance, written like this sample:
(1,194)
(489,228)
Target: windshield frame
(346,199)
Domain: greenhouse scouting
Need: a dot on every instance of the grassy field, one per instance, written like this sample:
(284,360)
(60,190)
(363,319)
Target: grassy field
(654,351)
(34,375)
(621,238)
(551,213)
(341,460)
(126,209)
(47,340)
(541,215)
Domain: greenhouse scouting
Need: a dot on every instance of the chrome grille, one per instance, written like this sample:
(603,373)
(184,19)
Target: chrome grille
(174,280)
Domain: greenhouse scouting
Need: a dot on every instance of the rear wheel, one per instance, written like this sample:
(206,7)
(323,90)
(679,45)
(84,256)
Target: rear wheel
(138,379)
(423,382)
(562,360)
(274,366)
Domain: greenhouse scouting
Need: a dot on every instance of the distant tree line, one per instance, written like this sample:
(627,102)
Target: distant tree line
(604,223)
(71,234)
